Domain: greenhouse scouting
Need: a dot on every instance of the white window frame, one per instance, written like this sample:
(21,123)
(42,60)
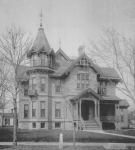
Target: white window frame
(42,84)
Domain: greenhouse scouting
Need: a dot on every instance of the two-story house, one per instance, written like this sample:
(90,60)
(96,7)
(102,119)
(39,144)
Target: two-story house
(58,92)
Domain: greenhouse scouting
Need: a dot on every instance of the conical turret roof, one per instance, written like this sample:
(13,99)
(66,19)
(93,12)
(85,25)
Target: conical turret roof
(41,41)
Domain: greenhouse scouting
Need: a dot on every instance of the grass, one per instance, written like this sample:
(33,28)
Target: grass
(52,148)
(130,132)
(53,136)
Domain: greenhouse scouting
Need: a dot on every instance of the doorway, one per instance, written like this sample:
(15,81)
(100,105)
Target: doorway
(87,110)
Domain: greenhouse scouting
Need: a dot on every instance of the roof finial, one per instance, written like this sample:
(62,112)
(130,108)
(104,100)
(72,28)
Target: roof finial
(84,47)
(41,16)
(59,44)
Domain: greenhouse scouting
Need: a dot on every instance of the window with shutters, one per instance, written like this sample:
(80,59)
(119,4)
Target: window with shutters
(26,110)
(42,84)
(102,88)
(42,106)
(57,109)
(82,81)
(33,109)
(33,83)
(57,86)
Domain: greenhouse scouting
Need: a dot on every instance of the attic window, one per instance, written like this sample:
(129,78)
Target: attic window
(84,62)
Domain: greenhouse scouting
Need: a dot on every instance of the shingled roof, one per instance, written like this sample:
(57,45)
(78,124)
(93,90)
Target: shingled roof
(124,103)
(40,43)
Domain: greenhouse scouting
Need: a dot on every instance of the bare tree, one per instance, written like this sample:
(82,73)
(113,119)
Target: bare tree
(116,51)
(14,45)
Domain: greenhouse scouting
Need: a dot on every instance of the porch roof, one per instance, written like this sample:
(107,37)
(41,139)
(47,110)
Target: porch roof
(111,98)
(89,90)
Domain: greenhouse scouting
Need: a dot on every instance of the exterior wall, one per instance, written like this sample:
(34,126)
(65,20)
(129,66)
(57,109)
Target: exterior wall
(71,80)
(110,89)
(122,112)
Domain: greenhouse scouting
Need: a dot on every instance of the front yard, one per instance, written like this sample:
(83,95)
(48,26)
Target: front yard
(130,132)
(53,136)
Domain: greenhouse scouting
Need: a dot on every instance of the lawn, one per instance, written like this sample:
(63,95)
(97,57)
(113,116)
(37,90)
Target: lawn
(53,136)
(52,148)
(130,132)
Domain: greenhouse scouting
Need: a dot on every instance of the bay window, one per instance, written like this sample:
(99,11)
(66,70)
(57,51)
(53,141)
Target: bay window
(42,84)
(26,110)
(42,57)
(42,106)
(34,60)
(33,83)
(33,109)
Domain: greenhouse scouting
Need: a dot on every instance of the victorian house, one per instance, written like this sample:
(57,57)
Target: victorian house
(58,92)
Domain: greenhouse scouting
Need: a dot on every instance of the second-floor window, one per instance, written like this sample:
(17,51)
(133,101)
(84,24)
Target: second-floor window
(82,81)
(57,109)
(101,87)
(57,86)
(26,110)
(33,83)
(42,84)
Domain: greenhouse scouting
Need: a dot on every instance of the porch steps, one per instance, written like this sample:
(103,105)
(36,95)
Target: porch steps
(92,125)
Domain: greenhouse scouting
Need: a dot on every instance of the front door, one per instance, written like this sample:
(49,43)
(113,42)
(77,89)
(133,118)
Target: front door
(87,110)
(91,110)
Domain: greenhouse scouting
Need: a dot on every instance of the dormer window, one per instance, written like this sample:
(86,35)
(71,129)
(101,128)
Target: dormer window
(102,88)
(34,60)
(82,81)
(84,62)
(42,57)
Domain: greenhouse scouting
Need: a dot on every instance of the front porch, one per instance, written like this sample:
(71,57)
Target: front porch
(91,113)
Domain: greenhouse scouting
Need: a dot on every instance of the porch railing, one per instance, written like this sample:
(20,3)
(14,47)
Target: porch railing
(109,118)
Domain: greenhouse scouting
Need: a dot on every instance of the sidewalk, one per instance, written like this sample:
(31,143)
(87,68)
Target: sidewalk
(64,143)
(102,132)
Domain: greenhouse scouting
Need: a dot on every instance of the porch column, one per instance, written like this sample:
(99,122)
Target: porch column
(77,115)
(80,108)
(98,109)
(95,108)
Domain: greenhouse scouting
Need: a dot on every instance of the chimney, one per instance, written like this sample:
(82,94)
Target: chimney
(81,50)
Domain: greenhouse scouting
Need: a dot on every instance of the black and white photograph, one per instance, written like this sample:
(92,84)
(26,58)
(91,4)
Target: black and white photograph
(67,75)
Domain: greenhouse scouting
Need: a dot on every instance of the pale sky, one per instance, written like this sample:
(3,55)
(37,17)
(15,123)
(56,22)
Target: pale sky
(72,21)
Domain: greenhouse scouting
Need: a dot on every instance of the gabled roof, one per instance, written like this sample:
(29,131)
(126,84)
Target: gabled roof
(111,98)
(60,51)
(105,73)
(84,92)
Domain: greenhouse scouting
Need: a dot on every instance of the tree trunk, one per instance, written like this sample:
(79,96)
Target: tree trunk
(15,124)
(15,119)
